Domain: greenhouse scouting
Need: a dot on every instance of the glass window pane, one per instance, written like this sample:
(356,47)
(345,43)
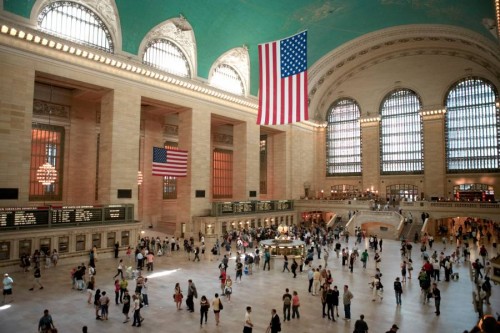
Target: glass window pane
(77,23)
(472,127)
(401,133)
(343,139)
(166,56)
(227,78)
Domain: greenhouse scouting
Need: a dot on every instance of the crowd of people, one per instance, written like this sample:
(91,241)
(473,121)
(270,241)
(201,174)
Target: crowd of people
(320,242)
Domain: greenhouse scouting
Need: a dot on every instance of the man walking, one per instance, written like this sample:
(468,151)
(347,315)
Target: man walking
(398,289)
(7,288)
(436,293)
(360,326)
(248,321)
(275,323)
(287,303)
(37,276)
(347,297)
(192,292)
(45,324)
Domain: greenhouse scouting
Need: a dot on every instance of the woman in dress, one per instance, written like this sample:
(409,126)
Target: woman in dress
(228,290)
(178,296)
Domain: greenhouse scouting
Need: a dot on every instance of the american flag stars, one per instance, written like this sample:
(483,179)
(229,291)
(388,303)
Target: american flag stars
(293,54)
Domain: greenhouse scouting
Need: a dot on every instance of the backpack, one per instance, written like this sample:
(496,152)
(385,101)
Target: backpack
(486,287)
(287,300)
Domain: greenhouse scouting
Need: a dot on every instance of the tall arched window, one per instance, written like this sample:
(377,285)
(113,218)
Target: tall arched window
(227,78)
(77,23)
(401,133)
(343,139)
(472,127)
(165,55)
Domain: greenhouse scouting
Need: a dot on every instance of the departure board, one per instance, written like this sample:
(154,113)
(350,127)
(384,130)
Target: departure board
(77,214)
(23,217)
(116,213)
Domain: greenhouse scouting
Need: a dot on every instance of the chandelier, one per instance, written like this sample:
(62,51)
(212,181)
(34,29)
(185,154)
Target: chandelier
(139,178)
(46,174)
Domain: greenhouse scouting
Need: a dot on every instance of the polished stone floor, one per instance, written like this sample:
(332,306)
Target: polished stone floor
(263,291)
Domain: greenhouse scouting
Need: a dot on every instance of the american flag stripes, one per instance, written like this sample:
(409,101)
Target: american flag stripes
(283,81)
(169,162)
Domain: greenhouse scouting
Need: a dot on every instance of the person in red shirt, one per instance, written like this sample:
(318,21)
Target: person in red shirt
(428,268)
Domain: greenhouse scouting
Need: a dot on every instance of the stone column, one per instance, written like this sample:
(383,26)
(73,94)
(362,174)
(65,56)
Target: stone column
(246,166)
(370,136)
(16,112)
(119,146)
(195,137)
(434,152)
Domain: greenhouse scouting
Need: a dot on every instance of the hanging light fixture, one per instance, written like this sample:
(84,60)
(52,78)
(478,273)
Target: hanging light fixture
(47,173)
(139,178)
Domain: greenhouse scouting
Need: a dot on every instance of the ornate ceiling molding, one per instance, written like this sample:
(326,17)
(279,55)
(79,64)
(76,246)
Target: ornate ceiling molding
(388,44)
(179,31)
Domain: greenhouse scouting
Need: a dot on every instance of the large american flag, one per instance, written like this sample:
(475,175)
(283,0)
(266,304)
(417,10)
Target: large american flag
(169,162)
(283,81)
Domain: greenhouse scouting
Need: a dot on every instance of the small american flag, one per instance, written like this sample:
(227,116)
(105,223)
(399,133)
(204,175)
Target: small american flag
(169,162)
(283,81)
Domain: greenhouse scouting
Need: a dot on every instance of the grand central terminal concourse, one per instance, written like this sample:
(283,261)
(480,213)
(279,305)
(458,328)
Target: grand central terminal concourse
(259,166)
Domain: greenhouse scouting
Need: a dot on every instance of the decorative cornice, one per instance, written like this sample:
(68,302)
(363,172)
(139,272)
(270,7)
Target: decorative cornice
(433,112)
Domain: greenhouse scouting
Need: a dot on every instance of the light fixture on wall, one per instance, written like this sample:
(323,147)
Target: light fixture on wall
(46,174)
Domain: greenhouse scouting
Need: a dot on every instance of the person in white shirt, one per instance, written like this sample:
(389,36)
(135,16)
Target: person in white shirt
(248,321)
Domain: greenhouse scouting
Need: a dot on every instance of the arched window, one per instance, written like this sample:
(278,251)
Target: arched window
(227,78)
(472,127)
(165,55)
(401,133)
(77,23)
(343,139)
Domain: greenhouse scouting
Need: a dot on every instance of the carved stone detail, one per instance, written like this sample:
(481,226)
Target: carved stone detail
(170,130)
(43,108)
(223,139)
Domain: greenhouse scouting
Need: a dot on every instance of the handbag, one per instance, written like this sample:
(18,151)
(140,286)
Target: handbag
(220,305)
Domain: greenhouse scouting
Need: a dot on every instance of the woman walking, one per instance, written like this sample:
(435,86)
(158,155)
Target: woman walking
(217,306)
(204,306)
(126,306)
(178,296)
(228,290)
(295,305)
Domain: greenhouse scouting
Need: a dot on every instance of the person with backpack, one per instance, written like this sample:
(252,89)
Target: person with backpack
(287,304)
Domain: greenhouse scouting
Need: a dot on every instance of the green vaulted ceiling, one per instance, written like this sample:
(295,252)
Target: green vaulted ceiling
(220,25)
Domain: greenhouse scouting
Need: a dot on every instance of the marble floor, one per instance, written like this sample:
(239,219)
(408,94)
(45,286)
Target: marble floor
(263,291)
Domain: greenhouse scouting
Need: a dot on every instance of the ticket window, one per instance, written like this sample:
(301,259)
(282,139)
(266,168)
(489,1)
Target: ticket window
(96,241)
(111,239)
(45,245)
(80,243)
(25,247)
(4,250)
(63,244)
(125,238)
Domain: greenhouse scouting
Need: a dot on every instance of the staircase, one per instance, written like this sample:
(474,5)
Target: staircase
(410,229)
